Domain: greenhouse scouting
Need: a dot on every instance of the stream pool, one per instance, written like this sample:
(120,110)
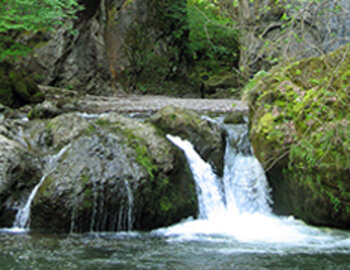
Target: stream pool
(155,250)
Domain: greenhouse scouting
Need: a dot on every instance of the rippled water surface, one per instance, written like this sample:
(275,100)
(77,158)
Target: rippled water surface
(156,251)
(236,229)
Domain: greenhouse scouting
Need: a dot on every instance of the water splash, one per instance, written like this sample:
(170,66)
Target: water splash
(22,220)
(210,198)
(242,210)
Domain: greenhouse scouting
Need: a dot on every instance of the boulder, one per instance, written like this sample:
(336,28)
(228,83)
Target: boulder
(206,136)
(19,173)
(300,130)
(116,174)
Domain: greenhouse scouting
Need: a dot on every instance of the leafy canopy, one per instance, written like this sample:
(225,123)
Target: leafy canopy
(31,16)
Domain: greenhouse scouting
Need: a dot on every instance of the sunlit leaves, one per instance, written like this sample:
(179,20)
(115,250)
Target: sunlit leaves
(31,16)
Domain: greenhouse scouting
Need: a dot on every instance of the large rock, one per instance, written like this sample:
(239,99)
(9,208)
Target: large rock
(69,60)
(116,174)
(300,130)
(207,137)
(18,175)
(117,41)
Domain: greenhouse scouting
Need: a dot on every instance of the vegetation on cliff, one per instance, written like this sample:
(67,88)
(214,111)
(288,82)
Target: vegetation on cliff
(300,131)
(27,16)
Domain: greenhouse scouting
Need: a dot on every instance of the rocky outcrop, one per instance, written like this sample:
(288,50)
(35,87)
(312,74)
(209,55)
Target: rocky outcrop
(67,59)
(207,137)
(300,130)
(18,175)
(117,174)
(116,41)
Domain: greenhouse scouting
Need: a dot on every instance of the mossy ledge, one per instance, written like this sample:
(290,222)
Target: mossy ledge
(300,131)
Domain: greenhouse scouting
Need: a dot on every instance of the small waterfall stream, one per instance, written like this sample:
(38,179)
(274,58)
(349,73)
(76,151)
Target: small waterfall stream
(238,205)
(23,214)
(243,188)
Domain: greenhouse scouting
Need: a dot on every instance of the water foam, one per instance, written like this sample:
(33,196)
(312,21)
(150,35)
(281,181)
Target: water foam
(237,207)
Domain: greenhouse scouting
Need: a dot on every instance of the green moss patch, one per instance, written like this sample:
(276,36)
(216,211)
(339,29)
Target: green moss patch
(300,125)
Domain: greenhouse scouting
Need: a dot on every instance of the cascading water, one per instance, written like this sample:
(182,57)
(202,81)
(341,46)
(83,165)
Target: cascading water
(244,185)
(23,215)
(238,205)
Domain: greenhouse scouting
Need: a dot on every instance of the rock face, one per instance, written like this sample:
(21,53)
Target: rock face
(117,174)
(19,174)
(114,36)
(276,31)
(300,130)
(67,60)
(207,138)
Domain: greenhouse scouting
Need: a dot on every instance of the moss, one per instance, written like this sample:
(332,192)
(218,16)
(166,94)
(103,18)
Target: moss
(143,157)
(300,123)
(165,204)
(87,201)
(17,89)
(90,130)
(85,178)
(103,122)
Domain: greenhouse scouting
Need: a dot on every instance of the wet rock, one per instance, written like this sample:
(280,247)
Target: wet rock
(117,174)
(207,137)
(44,110)
(18,175)
(236,117)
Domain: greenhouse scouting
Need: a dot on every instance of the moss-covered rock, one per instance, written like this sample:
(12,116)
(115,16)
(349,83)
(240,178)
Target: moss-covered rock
(207,137)
(300,131)
(235,117)
(117,174)
(17,89)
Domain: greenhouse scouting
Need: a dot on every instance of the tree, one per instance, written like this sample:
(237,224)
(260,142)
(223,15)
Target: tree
(18,17)
(274,31)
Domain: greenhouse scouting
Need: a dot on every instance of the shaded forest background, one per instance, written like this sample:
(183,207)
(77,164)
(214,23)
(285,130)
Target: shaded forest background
(205,48)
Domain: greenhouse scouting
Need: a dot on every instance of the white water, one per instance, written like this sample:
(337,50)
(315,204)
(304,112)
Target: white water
(23,215)
(238,207)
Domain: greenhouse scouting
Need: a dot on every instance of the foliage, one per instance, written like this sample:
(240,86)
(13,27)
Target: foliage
(202,47)
(300,122)
(312,106)
(278,31)
(28,16)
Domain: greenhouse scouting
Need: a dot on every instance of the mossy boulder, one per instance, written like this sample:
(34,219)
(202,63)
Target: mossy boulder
(116,174)
(207,137)
(300,131)
(235,117)
(17,89)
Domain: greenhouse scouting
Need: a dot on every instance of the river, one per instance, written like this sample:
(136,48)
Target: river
(235,229)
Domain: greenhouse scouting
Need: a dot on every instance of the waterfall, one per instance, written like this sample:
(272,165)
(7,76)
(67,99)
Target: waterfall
(243,188)
(210,199)
(238,204)
(245,183)
(23,214)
